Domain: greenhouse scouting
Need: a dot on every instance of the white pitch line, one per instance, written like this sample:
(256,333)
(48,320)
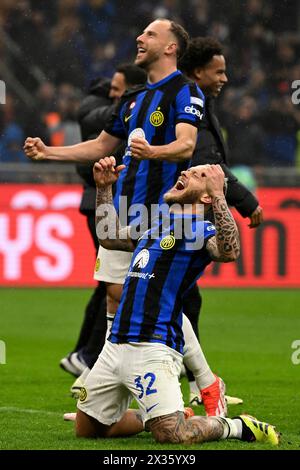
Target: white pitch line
(14,409)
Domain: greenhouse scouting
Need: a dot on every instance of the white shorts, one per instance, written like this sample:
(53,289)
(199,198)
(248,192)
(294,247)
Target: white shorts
(112,265)
(148,372)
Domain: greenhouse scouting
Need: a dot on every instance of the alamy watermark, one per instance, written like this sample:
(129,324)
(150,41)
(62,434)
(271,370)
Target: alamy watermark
(2,92)
(296,93)
(2,352)
(156,221)
(295,358)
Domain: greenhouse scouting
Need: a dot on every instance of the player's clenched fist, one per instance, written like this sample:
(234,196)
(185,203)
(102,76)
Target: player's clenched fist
(34,148)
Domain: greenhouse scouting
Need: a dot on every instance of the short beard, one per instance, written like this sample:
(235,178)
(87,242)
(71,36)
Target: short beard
(189,198)
(146,64)
(142,65)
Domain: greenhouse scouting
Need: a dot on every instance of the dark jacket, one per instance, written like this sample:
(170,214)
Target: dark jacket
(94,111)
(211,148)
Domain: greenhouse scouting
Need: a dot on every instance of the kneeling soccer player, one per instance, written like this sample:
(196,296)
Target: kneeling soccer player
(143,355)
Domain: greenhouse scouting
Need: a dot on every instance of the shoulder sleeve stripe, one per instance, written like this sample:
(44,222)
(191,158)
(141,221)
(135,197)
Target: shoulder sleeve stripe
(198,101)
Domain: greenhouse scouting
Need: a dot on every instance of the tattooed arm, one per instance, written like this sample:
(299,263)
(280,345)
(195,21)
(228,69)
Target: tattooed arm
(225,245)
(109,234)
(174,428)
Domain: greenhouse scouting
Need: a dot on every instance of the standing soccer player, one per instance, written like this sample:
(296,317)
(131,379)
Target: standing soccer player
(159,122)
(205,64)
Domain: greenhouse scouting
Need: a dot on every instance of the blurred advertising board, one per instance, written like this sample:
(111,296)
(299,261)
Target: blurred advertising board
(44,241)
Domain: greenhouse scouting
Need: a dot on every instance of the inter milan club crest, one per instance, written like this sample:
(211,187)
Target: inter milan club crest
(167,242)
(157,118)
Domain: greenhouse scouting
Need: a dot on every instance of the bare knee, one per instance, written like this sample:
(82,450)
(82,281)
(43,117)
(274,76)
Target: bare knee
(89,427)
(130,424)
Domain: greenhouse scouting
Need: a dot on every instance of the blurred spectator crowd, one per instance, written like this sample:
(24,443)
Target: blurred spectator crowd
(51,50)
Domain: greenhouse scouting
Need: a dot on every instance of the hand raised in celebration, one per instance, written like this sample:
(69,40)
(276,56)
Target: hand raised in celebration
(35,149)
(214,180)
(106,172)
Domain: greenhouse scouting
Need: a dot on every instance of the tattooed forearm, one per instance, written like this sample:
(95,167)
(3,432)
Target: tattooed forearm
(108,230)
(225,246)
(104,199)
(174,428)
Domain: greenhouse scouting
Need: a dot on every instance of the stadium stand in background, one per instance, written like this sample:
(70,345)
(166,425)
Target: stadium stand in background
(50,51)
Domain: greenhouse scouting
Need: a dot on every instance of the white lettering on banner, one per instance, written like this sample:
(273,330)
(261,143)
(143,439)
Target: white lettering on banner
(66,200)
(13,249)
(29,198)
(37,236)
(44,267)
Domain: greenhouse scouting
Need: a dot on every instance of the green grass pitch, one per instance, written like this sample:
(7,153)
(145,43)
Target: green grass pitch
(246,334)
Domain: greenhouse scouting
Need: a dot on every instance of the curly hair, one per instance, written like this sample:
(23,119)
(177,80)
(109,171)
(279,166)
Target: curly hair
(199,53)
(134,75)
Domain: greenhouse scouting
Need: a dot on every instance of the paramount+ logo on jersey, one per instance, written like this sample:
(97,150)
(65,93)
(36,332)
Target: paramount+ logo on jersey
(139,263)
(141,259)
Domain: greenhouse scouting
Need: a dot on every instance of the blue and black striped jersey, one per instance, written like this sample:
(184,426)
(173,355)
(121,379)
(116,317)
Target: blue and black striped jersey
(153,112)
(162,269)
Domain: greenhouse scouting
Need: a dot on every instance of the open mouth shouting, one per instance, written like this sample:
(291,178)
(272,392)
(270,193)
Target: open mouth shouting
(181,184)
(140,51)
